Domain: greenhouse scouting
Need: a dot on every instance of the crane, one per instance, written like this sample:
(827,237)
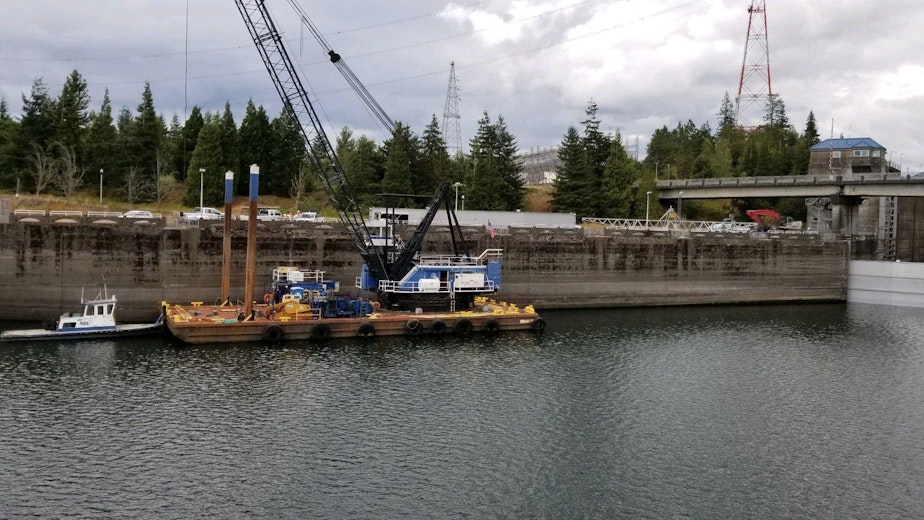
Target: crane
(389,267)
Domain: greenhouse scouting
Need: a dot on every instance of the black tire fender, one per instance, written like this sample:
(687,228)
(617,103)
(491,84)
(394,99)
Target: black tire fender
(366,330)
(538,324)
(437,327)
(462,327)
(490,326)
(273,333)
(320,331)
(413,327)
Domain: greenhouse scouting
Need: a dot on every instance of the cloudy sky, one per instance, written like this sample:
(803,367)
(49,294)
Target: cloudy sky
(646,63)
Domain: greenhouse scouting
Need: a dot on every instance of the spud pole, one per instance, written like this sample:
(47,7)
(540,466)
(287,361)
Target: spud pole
(226,241)
(250,275)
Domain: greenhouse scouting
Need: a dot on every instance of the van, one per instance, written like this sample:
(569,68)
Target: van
(268,214)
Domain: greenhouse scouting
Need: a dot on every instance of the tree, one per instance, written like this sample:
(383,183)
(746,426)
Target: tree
(44,168)
(570,180)
(136,187)
(288,153)
(509,167)
(165,181)
(810,135)
(400,156)
(8,132)
(69,175)
(189,135)
(435,157)
(36,132)
(147,137)
(102,140)
(482,182)
(618,176)
(207,156)
(256,144)
(70,112)
(726,121)
(301,186)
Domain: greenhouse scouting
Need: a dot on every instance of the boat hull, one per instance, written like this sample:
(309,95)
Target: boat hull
(120,331)
(198,324)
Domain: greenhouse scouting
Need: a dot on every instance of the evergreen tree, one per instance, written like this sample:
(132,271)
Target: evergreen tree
(509,168)
(367,168)
(401,153)
(287,155)
(9,129)
(256,138)
(71,117)
(616,198)
(436,158)
(147,137)
(36,131)
(726,122)
(208,156)
(482,181)
(102,142)
(189,135)
(810,135)
(570,180)
(230,141)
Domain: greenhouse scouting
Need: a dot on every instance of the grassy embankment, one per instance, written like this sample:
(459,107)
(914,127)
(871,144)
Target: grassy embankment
(537,199)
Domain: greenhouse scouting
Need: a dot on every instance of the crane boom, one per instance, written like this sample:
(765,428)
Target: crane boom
(295,99)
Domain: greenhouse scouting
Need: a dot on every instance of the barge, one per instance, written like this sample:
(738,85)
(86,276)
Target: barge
(302,305)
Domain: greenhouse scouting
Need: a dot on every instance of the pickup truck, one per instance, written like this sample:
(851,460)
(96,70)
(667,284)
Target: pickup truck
(202,214)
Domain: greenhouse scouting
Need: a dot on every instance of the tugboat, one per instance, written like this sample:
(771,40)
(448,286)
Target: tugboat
(96,321)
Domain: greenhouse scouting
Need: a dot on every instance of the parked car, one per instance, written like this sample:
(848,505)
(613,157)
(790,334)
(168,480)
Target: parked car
(137,213)
(308,216)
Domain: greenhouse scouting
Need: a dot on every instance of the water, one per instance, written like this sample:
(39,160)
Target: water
(812,411)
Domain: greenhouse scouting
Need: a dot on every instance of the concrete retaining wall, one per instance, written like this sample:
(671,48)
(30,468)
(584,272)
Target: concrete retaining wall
(886,283)
(45,265)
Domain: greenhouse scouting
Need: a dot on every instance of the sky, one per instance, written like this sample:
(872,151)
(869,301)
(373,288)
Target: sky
(537,63)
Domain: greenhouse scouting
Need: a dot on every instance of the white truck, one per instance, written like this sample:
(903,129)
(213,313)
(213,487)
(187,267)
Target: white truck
(202,214)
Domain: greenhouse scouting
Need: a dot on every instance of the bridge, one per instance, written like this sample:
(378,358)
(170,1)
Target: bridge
(844,185)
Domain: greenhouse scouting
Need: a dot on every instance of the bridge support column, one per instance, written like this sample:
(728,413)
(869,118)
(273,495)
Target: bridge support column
(845,216)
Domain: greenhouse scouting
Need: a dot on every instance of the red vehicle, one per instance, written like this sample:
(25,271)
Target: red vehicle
(769,219)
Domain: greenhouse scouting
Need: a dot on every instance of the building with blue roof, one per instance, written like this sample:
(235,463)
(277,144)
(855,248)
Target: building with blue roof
(848,155)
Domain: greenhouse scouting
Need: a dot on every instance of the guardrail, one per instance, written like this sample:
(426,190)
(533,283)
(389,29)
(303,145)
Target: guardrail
(673,224)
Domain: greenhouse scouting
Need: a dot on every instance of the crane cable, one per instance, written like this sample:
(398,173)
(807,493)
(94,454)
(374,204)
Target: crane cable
(371,104)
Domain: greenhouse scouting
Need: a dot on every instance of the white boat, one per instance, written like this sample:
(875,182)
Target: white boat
(96,321)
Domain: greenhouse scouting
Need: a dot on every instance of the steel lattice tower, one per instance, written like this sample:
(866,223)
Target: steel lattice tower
(754,85)
(451,118)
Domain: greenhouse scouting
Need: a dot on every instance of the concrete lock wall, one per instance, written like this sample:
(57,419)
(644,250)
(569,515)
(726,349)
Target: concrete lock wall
(46,265)
(886,283)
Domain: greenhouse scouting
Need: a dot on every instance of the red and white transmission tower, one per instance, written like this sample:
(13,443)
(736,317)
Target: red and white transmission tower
(754,86)
(451,118)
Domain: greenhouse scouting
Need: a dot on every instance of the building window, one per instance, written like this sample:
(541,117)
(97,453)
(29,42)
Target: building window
(836,154)
(861,153)
(876,153)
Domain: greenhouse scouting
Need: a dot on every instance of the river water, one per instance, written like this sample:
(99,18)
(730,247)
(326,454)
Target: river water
(810,411)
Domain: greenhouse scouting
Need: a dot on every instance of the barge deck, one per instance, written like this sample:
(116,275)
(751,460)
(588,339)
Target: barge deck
(196,323)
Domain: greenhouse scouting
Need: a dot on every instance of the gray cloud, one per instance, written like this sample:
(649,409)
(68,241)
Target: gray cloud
(646,63)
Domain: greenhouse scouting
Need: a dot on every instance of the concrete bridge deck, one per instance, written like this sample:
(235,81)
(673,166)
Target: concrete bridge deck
(846,185)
